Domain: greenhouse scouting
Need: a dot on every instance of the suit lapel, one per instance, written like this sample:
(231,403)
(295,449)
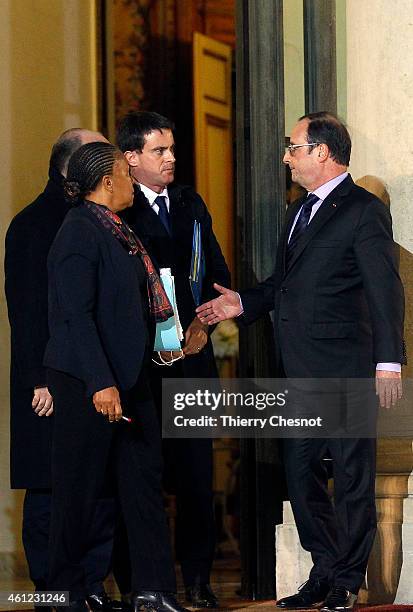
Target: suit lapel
(326,211)
(292,211)
(181,211)
(148,220)
(178,202)
(174,205)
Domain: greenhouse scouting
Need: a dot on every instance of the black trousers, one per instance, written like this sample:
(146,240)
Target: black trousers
(35,535)
(338,535)
(188,473)
(85,445)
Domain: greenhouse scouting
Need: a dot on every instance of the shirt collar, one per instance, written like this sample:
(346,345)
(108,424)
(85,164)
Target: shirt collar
(152,195)
(324,190)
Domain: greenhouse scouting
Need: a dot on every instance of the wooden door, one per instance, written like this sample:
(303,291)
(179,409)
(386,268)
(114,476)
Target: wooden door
(213,136)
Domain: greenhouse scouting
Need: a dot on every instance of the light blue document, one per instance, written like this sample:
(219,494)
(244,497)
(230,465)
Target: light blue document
(168,333)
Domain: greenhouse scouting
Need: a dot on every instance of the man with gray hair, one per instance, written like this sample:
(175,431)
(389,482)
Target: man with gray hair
(28,240)
(338,305)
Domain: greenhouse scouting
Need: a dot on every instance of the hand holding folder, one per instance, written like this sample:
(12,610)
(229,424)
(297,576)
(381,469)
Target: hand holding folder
(169,333)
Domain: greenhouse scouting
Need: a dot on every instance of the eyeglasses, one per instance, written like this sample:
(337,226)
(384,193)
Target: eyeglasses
(292,147)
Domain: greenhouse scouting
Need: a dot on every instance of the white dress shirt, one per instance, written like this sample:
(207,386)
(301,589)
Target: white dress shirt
(152,195)
(322,192)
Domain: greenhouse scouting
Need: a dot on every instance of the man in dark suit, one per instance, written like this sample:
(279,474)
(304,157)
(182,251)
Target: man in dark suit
(338,312)
(163,215)
(28,241)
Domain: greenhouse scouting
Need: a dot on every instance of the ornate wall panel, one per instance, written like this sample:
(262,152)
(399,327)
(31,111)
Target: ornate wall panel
(152,42)
(131,32)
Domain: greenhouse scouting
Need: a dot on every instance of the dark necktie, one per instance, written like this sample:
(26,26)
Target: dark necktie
(301,224)
(163,213)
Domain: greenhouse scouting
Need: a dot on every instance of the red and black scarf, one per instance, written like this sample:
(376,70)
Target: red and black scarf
(159,305)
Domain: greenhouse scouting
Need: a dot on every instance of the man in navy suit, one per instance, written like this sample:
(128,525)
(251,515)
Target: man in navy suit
(338,313)
(163,216)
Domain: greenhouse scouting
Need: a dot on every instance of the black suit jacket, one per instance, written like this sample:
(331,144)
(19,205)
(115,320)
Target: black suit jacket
(28,241)
(339,308)
(97,324)
(175,252)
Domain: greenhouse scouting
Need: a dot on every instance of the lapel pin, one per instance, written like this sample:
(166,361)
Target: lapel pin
(334,205)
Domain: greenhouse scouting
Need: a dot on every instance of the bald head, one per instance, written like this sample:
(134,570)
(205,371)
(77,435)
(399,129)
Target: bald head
(68,143)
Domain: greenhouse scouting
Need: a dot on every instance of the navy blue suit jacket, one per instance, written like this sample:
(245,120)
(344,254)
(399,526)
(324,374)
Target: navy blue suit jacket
(339,307)
(28,240)
(97,325)
(175,252)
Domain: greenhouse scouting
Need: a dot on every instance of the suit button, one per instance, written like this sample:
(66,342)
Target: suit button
(284,319)
(284,289)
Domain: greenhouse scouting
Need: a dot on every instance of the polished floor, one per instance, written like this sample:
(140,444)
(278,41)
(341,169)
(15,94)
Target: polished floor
(225,582)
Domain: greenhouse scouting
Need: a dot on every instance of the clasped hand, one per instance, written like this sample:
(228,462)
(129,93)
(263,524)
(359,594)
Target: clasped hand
(107,402)
(196,337)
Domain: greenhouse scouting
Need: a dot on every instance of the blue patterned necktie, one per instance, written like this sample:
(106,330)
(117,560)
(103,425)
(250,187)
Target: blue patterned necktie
(163,213)
(301,224)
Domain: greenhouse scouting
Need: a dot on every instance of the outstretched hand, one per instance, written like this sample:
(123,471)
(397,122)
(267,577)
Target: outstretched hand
(226,306)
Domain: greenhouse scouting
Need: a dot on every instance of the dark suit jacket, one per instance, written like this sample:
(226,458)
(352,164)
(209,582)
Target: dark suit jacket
(339,308)
(28,241)
(175,252)
(96,318)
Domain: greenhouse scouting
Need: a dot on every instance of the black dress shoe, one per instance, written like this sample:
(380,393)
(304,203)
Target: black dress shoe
(339,599)
(310,595)
(156,600)
(201,596)
(103,603)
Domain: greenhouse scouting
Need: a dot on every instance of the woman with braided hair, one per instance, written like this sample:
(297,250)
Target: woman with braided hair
(104,300)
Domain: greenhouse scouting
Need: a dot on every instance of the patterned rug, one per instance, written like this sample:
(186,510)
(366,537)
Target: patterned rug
(269,606)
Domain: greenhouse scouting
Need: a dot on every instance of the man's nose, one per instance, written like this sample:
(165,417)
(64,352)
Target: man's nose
(286,157)
(170,156)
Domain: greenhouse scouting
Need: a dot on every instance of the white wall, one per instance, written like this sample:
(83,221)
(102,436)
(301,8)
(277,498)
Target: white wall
(293,62)
(380,101)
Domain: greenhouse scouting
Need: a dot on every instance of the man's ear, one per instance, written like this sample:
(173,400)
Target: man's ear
(323,152)
(132,157)
(107,183)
